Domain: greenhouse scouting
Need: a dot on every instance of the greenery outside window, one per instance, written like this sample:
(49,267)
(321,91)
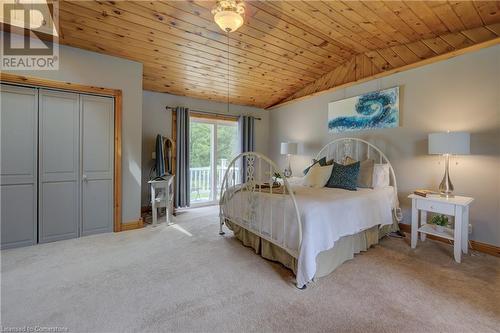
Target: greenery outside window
(213,144)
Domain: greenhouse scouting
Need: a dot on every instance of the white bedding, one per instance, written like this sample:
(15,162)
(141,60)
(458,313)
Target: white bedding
(327,214)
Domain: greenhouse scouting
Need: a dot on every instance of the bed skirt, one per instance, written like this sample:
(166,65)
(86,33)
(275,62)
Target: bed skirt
(327,261)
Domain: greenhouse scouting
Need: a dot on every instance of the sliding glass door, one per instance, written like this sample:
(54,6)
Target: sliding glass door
(227,148)
(213,144)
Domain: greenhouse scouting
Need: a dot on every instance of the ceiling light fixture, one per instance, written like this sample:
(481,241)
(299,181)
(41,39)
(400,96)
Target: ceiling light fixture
(229,14)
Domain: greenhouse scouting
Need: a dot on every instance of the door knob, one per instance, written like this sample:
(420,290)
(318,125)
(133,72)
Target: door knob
(84,178)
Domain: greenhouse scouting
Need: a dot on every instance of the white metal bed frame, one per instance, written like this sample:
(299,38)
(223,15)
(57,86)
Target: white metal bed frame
(259,169)
(360,149)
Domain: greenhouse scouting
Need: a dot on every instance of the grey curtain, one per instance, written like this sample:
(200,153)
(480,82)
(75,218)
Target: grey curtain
(246,124)
(182,185)
(247,137)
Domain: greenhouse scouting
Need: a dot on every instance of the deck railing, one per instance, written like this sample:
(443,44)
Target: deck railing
(201,180)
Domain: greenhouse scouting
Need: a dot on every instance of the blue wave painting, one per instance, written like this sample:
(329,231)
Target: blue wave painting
(379,109)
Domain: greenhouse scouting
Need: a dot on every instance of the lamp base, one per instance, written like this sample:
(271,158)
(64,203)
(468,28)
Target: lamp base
(446,187)
(288,171)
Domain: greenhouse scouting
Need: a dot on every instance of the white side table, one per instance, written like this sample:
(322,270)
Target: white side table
(457,206)
(162,196)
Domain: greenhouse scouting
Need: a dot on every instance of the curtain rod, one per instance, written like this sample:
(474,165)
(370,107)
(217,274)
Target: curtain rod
(208,112)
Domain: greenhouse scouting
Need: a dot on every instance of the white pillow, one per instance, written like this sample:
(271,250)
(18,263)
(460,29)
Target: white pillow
(317,176)
(380,175)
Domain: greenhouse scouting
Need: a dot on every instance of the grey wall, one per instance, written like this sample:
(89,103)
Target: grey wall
(89,68)
(157,120)
(460,94)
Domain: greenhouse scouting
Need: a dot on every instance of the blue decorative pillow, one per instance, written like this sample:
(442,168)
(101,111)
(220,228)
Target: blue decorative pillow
(344,176)
(321,162)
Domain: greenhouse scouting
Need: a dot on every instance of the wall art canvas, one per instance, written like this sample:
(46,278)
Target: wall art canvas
(378,109)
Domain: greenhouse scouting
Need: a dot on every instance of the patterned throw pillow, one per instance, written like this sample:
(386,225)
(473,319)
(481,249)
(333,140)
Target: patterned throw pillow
(344,176)
(321,162)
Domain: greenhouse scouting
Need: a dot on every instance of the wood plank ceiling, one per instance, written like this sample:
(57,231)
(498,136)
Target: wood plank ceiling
(285,49)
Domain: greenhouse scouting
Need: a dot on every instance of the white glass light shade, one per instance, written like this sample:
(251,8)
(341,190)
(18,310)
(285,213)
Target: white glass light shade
(228,20)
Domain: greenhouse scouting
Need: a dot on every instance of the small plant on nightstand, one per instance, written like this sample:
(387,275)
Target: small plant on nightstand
(276,178)
(440,222)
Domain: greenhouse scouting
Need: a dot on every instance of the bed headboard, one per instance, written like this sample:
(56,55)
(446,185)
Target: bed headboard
(358,149)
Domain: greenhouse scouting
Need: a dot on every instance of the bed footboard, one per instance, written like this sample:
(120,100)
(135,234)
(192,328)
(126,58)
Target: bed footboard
(249,199)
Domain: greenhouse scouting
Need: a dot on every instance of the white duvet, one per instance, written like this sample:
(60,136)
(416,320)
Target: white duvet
(327,214)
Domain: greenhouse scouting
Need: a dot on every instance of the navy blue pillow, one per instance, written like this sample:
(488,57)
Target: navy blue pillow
(344,176)
(321,162)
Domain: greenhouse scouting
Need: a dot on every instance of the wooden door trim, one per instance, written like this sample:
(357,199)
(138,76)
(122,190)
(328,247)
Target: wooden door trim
(118,105)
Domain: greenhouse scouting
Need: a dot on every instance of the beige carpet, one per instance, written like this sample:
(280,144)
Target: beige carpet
(189,279)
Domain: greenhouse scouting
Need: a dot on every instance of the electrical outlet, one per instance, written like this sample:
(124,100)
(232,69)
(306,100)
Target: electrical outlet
(470,228)
(153,155)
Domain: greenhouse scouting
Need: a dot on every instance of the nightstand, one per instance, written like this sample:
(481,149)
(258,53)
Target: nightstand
(457,206)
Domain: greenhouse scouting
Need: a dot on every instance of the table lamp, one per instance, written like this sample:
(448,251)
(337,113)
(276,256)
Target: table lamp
(448,143)
(288,148)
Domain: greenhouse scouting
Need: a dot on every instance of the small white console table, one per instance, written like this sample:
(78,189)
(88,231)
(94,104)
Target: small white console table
(456,206)
(162,196)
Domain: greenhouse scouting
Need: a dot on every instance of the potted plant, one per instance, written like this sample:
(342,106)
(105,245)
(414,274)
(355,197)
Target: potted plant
(439,222)
(276,177)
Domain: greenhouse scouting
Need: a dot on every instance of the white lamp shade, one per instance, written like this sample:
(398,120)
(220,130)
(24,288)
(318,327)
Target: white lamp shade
(454,143)
(288,148)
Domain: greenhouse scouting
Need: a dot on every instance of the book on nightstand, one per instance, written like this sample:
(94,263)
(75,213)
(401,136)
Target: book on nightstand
(424,193)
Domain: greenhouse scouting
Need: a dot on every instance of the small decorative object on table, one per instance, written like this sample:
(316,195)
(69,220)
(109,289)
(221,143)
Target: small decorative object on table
(457,206)
(276,178)
(440,222)
(267,188)
(424,193)
(267,185)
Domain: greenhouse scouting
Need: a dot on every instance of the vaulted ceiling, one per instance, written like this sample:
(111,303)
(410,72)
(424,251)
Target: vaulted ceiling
(285,49)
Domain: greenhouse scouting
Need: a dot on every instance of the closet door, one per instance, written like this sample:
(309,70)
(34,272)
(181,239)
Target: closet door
(97,164)
(18,179)
(59,181)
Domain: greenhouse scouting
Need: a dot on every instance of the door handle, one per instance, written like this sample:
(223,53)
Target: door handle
(84,178)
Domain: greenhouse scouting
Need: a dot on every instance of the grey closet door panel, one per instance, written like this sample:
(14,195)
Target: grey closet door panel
(97,136)
(97,163)
(18,215)
(18,119)
(97,207)
(58,211)
(18,165)
(59,136)
(59,167)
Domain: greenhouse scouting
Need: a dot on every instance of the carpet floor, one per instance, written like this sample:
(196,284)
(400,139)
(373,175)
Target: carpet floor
(187,278)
